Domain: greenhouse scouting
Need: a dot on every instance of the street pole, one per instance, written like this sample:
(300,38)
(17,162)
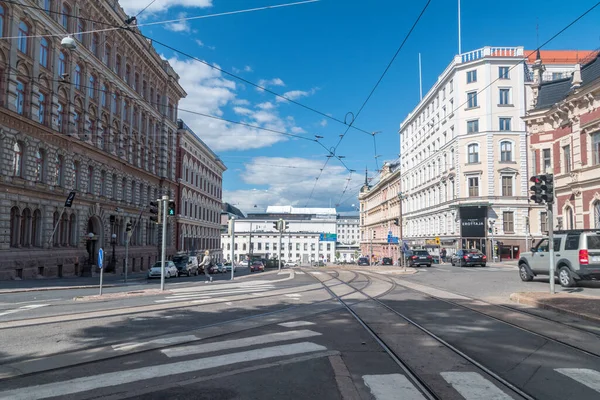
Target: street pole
(127,253)
(551,247)
(56,226)
(164,204)
(280,237)
(232,233)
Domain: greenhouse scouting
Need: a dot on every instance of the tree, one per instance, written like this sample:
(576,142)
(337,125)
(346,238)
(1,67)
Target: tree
(337,255)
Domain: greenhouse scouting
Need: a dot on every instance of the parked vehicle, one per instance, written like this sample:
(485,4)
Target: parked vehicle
(221,268)
(290,264)
(576,257)
(363,261)
(419,257)
(170,270)
(228,267)
(387,261)
(468,258)
(257,266)
(186,265)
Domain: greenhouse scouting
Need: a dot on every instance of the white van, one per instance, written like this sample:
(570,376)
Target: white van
(186,265)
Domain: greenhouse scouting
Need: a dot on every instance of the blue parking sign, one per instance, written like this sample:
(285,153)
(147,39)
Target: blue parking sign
(100,257)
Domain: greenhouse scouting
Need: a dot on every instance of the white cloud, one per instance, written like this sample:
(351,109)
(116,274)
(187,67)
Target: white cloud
(297,130)
(209,92)
(199,42)
(181,26)
(296,94)
(288,181)
(323,123)
(248,68)
(132,7)
(266,106)
(269,82)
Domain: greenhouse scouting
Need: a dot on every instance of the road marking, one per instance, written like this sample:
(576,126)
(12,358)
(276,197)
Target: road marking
(294,295)
(23,308)
(300,272)
(97,381)
(169,340)
(588,377)
(294,324)
(316,273)
(284,272)
(216,291)
(392,387)
(473,386)
(238,343)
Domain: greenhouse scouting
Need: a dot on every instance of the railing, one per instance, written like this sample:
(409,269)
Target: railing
(491,52)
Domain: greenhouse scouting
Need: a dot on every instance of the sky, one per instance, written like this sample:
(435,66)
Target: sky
(327,55)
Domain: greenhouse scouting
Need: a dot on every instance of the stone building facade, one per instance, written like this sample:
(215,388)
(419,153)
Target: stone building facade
(564,140)
(200,178)
(99,120)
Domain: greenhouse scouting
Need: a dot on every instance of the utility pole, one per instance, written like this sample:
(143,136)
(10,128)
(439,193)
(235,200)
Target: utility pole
(232,234)
(281,228)
(164,203)
(129,232)
(551,247)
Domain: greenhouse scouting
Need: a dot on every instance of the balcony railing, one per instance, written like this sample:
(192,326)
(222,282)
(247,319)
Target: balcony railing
(489,51)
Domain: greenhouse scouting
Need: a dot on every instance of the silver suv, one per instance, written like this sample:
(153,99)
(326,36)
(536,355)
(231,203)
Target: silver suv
(576,257)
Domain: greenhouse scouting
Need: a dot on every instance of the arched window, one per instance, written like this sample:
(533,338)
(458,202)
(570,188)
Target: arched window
(96,45)
(92,87)
(55,221)
(596,223)
(103,95)
(73,230)
(62,64)
(17,159)
(113,103)
(2,15)
(47,6)
(25,229)
(473,153)
(66,12)
(570,221)
(77,78)
(64,230)
(36,229)
(80,29)
(127,74)
(44,52)
(39,165)
(90,177)
(118,65)
(15,226)
(22,45)
(20,98)
(506,151)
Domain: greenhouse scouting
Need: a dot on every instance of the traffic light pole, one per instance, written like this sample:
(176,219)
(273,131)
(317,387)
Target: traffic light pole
(164,204)
(232,233)
(551,248)
(280,237)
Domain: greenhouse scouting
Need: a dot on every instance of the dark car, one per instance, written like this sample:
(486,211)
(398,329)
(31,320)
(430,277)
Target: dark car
(257,266)
(186,265)
(420,257)
(468,258)
(387,261)
(363,261)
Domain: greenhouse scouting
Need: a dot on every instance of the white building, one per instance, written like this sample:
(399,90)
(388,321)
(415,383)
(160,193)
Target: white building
(310,237)
(348,238)
(463,149)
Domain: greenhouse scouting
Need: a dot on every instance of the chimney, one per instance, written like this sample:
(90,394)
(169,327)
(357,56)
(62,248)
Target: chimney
(576,81)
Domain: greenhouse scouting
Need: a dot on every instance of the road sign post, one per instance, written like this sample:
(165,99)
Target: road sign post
(164,205)
(100,265)
(281,228)
(232,233)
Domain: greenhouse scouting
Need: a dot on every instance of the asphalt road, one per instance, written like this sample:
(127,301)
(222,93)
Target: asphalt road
(273,336)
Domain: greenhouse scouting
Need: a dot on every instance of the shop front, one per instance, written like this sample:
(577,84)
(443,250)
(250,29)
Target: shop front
(472,228)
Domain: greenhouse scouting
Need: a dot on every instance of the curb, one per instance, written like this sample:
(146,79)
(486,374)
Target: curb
(48,288)
(520,299)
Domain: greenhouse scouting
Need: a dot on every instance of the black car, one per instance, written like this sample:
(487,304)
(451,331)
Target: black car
(363,261)
(420,257)
(387,261)
(468,258)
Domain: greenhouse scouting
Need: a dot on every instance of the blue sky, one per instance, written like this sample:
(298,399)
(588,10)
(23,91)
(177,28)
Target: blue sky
(328,55)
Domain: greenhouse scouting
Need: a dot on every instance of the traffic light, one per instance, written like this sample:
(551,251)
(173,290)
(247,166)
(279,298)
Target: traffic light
(547,187)
(536,188)
(287,225)
(128,227)
(155,209)
(171,208)
(276,225)
(397,221)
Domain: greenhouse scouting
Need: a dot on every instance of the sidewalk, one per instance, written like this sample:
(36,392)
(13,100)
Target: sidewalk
(579,305)
(31,285)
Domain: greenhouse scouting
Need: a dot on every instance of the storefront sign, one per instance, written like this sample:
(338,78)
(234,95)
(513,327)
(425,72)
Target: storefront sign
(472,222)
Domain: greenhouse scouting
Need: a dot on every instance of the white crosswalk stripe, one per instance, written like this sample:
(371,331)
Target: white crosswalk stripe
(473,386)
(391,387)
(211,291)
(588,377)
(23,308)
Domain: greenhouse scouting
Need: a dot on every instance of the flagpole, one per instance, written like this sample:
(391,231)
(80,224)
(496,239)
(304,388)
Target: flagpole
(420,80)
(459,44)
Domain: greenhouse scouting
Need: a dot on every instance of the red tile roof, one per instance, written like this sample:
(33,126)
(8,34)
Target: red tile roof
(560,56)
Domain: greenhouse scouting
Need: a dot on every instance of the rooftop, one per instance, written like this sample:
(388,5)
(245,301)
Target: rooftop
(560,56)
(299,210)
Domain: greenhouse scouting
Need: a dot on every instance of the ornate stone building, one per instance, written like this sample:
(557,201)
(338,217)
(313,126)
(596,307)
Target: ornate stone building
(99,120)
(564,139)
(200,177)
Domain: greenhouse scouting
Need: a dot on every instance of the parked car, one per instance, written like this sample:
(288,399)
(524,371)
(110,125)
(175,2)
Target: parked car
(363,261)
(420,257)
(576,257)
(221,268)
(290,264)
(170,270)
(186,265)
(228,267)
(468,258)
(387,261)
(257,266)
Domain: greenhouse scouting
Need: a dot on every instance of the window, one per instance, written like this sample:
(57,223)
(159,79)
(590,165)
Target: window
(95,47)
(58,172)
(2,13)
(17,159)
(472,76)
(66,11)
(596,148)
(596,222)
(90,188)
(20,100)
(47,6)
(77,78)
(471,99)
(473,126)
(504,97)
(39,165)
(505,124)
(23,37)
(503,72)
(570,220)
(103,183)
(92,87)
(473,186)
(103,95)
(547,160)
(544,222)
(62,64)
(113,104)
(567,157)
(80,29)
(572,241)
(44,51)
(107,55)
(118,65)
(473,153)
(506,151)
(507,186)
(42,108)
(508,221)
(127,73)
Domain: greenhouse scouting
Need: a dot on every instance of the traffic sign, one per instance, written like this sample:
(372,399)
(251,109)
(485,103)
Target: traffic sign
(100,257)
(437,240)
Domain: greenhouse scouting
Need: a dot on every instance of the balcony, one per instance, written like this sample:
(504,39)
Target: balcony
(489,51)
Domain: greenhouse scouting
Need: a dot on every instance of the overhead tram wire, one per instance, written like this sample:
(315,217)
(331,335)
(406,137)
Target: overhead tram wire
(354,117)
(116,27)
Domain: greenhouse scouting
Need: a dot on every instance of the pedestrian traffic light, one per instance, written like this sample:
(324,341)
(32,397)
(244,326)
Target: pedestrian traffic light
(155,209)
(171,208)
(536,188)
(547,187)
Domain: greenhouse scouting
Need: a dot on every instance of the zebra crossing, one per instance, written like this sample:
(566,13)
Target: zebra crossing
(215,290)
(21,309)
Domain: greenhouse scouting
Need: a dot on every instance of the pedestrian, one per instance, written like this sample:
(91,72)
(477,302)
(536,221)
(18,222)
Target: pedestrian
(443,255)
(206,263)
